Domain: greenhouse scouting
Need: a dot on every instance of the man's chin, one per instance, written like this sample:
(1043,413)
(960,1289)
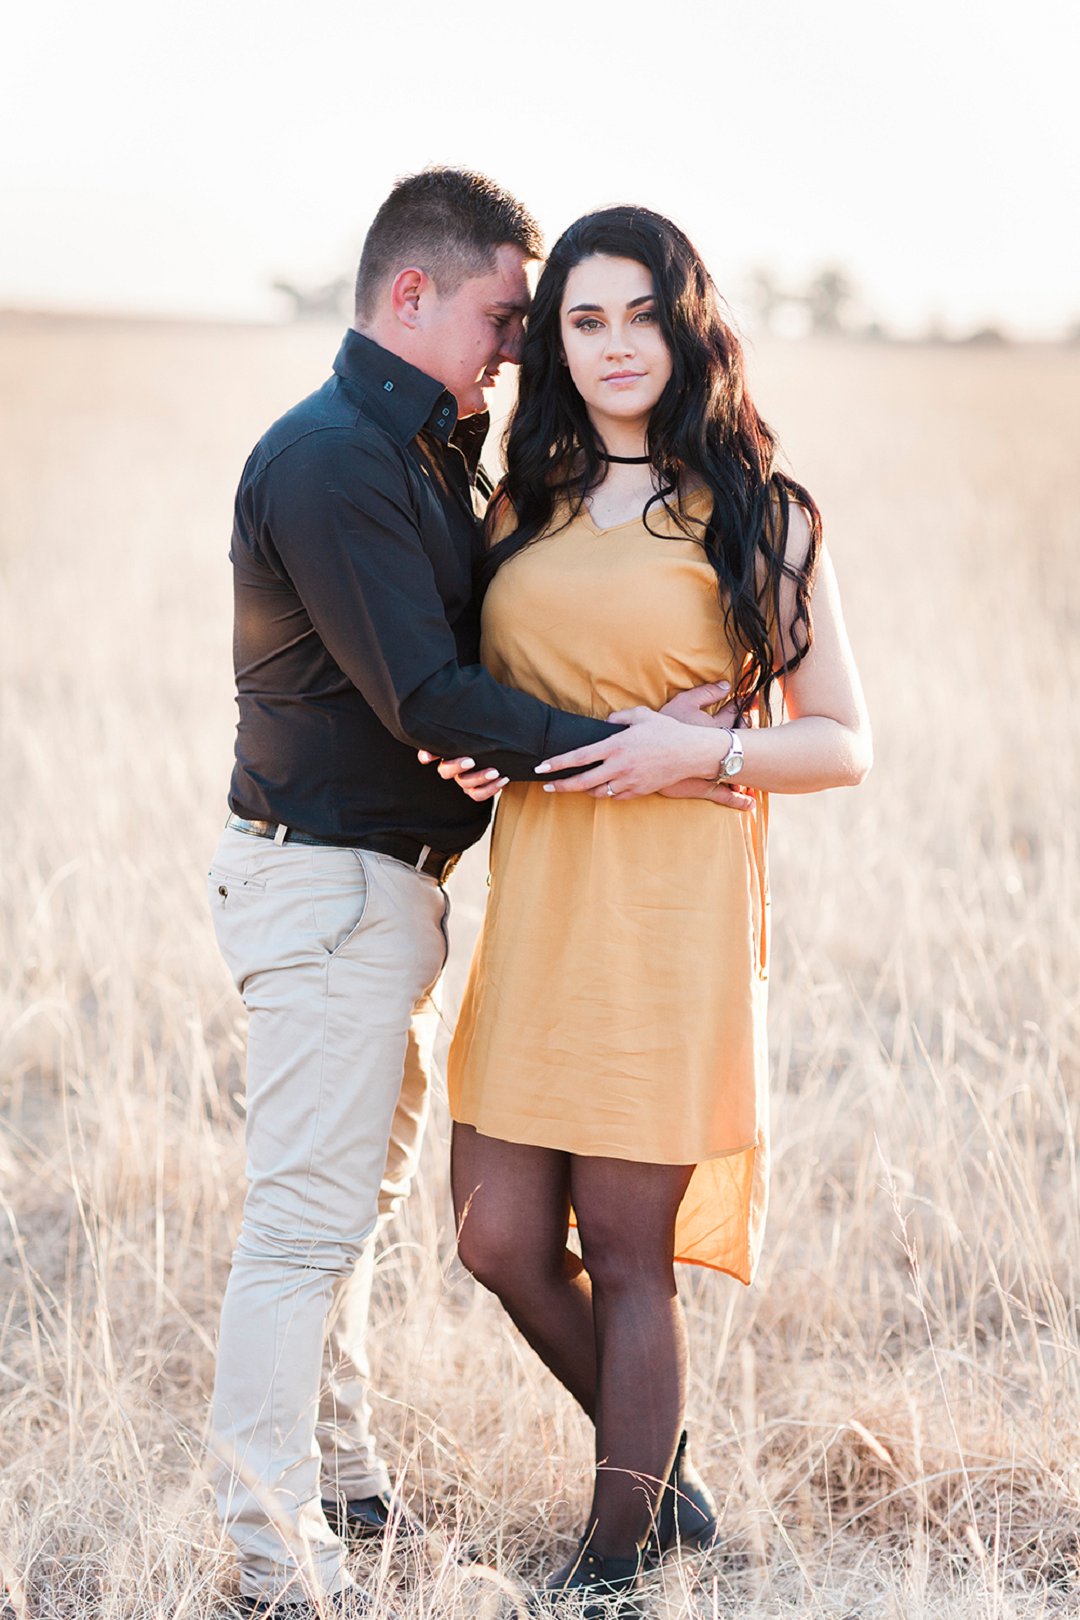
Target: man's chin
(472,403)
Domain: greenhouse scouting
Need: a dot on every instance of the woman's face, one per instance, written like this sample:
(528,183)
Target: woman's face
(612,341)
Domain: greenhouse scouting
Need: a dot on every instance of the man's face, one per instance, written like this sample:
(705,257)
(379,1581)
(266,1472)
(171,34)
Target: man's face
(468,334)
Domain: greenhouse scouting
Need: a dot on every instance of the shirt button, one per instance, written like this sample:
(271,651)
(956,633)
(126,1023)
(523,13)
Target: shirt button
(388,386)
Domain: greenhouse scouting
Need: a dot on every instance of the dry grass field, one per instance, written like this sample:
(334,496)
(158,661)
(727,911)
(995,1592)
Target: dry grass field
(891,1415)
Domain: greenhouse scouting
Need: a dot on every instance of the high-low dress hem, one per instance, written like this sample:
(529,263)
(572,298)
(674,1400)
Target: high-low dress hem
(616,1001)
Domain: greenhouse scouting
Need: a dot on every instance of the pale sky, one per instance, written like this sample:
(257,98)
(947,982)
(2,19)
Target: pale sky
(176,155)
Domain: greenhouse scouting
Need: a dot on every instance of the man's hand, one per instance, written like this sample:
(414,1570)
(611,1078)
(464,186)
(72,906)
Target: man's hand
(692,707)
(479,785)
(723,793)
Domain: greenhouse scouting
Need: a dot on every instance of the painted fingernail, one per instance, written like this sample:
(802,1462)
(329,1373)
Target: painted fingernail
(467,764)
(490,775)
(542,768)
(549,787)
(503,781)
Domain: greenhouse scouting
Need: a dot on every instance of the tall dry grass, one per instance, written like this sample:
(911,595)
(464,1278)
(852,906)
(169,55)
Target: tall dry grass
(891,1416)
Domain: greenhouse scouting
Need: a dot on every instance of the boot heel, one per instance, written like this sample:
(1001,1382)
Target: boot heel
(687,1514)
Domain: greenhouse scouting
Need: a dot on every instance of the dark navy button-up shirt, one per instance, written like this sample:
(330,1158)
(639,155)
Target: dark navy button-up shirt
(356,633)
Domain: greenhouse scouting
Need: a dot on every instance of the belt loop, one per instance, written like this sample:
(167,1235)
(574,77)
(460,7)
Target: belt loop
(424,853)
(281,834)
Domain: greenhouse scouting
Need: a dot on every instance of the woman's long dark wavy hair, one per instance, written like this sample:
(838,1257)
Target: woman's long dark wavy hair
(704,424)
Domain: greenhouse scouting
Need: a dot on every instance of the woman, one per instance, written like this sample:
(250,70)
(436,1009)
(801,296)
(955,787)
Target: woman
(609,1059)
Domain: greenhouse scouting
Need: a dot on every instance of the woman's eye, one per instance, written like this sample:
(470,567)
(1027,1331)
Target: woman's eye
(587,325)
(645,315)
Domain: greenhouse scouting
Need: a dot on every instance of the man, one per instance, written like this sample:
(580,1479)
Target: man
(356,638)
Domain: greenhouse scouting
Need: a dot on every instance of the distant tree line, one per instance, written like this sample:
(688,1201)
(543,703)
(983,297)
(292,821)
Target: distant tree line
(329,301)
(825,301)
(828,304)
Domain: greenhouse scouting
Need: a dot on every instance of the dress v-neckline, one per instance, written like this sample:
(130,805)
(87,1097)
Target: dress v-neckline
(613,528)
(608,528)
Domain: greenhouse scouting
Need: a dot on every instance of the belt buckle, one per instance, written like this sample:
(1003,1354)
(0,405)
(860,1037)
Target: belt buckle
(448,866)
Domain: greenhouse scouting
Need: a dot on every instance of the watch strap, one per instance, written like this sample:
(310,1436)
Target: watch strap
(734,748)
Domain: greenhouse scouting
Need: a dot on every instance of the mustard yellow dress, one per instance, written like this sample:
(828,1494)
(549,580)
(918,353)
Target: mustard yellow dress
(616,1000)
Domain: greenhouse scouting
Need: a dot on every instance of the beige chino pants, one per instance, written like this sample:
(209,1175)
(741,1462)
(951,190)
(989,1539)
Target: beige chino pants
(335,952)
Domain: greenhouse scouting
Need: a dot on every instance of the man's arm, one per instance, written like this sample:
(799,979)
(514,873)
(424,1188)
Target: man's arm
(695,707)
(339,514)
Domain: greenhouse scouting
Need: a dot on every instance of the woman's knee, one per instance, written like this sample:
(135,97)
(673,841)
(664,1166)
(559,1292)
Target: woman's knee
(487,1251)
(626,1218)
(511,1263)
(618,1261)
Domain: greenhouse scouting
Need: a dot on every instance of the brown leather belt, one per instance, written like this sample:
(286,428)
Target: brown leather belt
(432,862)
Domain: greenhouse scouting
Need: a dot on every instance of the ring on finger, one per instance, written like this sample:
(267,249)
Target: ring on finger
(610,791)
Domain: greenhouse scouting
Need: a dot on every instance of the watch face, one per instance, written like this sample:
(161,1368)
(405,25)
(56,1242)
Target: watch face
(733,761)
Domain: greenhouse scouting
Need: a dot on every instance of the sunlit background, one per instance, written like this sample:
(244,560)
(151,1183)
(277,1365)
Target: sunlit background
(891,1415)
(180,157)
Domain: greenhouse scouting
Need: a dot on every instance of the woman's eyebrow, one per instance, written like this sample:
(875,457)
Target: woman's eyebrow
(646,298)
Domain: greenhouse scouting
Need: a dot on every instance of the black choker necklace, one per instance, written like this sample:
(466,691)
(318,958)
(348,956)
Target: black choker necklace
(626,461)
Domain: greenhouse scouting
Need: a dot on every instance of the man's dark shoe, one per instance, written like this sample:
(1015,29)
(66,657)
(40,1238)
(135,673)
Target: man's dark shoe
(366,1518)
(687,1514)
(613,1582)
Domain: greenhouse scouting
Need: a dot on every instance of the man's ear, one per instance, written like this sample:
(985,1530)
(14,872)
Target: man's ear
(406,291)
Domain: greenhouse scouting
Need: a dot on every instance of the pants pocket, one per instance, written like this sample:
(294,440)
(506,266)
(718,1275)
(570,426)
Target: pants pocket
(227,887)
(340,906)
(233,897)
(444,924)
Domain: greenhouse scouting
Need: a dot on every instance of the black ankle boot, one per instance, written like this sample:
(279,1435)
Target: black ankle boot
(686,1515)
(612,1581)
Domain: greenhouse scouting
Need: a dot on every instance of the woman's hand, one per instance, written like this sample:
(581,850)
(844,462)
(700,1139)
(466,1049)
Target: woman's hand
(479,785)
(652,752)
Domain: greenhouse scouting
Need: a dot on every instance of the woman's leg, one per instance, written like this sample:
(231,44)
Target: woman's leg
(512,1206)
(626,1216)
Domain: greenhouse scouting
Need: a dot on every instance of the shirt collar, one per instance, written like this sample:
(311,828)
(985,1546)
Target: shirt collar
(469,436)
(403,398)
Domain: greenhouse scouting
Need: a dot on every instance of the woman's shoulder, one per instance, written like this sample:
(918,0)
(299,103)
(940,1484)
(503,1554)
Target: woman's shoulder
(501,519)
(789,527)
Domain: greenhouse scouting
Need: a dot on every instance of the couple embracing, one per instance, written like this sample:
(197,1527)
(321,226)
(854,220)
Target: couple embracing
(602,643)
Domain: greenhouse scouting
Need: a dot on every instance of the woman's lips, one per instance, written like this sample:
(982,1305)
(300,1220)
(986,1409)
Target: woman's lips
(623,377)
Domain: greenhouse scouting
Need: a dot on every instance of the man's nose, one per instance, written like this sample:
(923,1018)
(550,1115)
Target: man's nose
(512,345)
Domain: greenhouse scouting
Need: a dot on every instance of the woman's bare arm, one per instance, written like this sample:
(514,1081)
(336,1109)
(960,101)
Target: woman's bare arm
(824,742)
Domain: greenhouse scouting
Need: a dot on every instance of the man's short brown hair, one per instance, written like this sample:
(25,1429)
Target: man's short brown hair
(449,223)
